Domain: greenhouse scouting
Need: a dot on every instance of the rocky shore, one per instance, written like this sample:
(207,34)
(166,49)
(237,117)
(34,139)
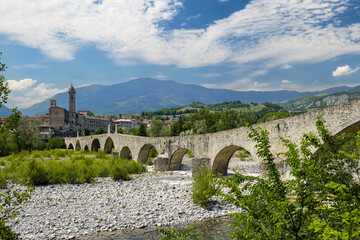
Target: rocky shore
(150,199)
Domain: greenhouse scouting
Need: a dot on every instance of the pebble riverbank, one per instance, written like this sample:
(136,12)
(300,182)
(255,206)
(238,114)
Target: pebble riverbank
(150,199)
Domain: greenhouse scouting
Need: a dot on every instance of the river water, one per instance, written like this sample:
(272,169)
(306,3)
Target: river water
(209,229)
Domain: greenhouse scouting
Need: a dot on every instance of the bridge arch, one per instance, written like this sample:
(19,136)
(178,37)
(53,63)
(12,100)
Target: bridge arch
(222,159)
(144,153)
(176,159)
(109,145)
(86,148)
(71,147)
(77,145)
(95,145)
(125,153)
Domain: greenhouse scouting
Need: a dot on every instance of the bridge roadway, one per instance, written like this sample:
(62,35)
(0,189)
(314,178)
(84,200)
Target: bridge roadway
(214,150)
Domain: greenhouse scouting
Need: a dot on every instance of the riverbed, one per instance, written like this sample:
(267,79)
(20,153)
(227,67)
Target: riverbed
(149,200)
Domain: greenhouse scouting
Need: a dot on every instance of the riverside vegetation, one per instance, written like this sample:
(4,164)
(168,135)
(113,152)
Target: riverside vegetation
(61,166)
(321,201)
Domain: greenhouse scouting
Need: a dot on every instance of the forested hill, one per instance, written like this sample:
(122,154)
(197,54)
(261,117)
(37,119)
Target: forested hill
(260,110)
(304,104)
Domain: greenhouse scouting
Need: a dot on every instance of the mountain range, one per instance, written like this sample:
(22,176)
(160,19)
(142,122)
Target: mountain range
(146,94)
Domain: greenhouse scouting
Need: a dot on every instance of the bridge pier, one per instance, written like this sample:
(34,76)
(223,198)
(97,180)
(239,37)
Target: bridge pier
(200,163)
(162,163)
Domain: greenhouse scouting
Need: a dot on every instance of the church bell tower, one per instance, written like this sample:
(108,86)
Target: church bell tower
(72,93)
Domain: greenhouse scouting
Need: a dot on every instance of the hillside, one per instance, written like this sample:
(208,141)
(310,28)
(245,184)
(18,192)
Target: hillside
(4,111)
(194,107)
(145,94)
(306,103)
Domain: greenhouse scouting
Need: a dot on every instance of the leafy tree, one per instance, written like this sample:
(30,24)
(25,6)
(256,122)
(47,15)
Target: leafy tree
(132,131)
(8,210)
(156,128)
(9,199)
(201,127)
(273,116)
(176,128)
(56,142)
(229,120)
(85,131)
(209,117)
(141,131)
(99,130)
(121,130)
(28,135)
(4,86)
(322,201)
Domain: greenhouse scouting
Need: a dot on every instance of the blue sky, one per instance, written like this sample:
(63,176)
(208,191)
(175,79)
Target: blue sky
(302,45)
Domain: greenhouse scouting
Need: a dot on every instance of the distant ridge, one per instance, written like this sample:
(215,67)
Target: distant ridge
(146,94)
(4,111)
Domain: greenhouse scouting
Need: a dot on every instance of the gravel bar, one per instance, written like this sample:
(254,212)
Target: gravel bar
(150,199)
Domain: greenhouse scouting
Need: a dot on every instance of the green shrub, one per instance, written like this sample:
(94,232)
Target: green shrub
(101,154)
(172,233)
(190,154)
(56,142)
(3,179)
(58,153)
(57,171)
(119,172)
(149,162)
(36,173)
(102,168)
(73,172)
(133,167)
(203,187)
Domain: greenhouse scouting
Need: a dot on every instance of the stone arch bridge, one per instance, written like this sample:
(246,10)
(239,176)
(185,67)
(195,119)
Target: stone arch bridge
(215,150)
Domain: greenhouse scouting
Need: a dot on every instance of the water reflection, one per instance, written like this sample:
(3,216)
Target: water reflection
(209,229)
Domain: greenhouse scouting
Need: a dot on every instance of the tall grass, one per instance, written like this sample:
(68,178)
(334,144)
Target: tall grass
(63,166)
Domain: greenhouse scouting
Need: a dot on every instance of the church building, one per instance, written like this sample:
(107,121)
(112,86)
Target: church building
(67,123)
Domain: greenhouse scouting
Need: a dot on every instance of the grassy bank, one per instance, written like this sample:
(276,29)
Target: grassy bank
(64,166)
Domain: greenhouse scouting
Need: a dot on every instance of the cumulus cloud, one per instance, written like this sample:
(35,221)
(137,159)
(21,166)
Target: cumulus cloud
(285,81)
(24,93)
(275,31)
(20,85)
(344,70)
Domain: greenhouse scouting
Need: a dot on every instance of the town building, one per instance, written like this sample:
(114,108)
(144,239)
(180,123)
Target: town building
(126,123)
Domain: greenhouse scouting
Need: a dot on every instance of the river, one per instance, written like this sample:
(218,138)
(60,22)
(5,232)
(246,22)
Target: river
(209,229)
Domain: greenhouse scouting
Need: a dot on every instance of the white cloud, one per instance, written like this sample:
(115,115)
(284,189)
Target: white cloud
(194,17)
(285,81)
(257,73)
(277,31)
(20,85)
(24,93)
(31,66)
(209,75)
(344,70)
(161,76)
(286,66)
(223,0)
